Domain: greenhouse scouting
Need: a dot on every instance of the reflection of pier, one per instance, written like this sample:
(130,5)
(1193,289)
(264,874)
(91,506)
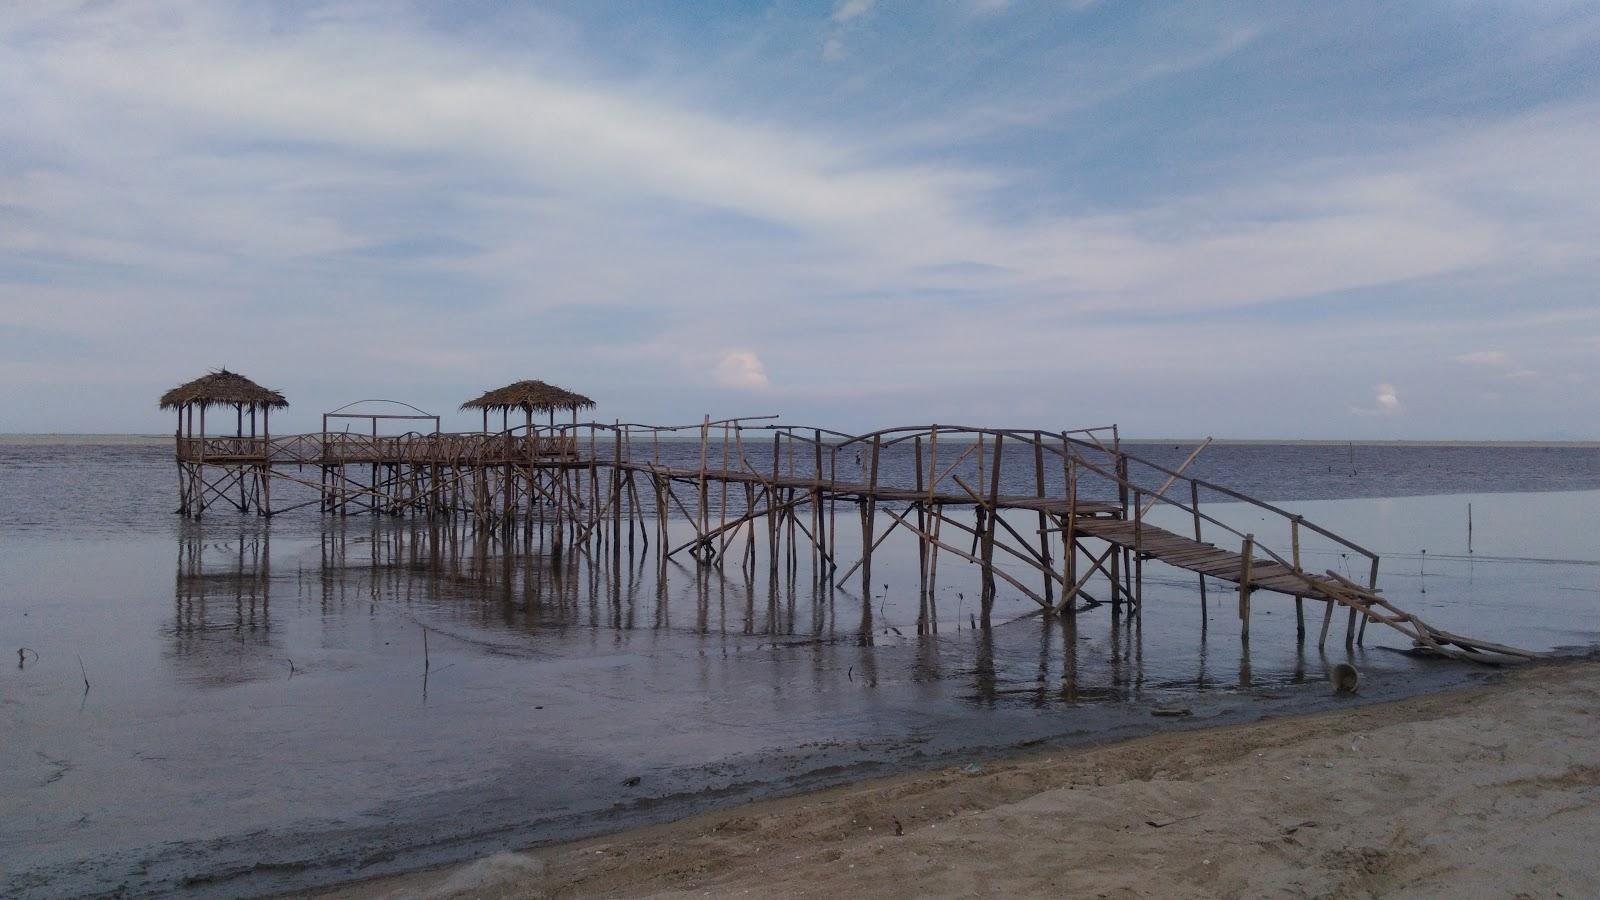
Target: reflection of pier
(475,588)
(1061,517)
(222,623)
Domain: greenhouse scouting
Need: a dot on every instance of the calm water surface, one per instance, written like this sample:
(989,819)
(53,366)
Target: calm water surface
(262,713)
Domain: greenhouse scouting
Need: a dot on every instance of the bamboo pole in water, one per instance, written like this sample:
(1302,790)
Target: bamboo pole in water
(1044,521)
(1245,565)
(992,513)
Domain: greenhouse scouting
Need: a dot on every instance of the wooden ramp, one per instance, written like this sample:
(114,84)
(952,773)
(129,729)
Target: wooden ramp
(1176,550)
(1149,542)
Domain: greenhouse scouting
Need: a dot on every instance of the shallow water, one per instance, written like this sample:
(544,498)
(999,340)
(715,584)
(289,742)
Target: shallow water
(262,712)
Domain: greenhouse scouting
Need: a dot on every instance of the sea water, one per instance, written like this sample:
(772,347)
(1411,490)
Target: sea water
(241,707)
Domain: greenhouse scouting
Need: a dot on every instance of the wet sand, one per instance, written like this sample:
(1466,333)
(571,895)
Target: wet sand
(1490,791)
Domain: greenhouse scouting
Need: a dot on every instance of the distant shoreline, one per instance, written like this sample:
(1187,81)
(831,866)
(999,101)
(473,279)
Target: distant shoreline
(144,440)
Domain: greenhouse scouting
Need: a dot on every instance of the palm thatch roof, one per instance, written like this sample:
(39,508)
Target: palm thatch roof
(222,388)
(531,396)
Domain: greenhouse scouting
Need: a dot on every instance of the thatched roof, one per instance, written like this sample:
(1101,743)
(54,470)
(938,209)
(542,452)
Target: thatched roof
(532,396)
(222,388)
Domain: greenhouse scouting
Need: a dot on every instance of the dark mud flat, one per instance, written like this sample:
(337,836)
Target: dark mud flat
(581,797)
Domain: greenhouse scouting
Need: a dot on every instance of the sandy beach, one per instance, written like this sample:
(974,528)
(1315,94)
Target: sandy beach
(1487,792)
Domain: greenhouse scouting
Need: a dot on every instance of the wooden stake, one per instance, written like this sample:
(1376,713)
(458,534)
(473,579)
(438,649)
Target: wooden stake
(1245,565)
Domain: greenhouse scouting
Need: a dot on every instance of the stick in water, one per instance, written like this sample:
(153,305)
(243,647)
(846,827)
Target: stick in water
(85,673)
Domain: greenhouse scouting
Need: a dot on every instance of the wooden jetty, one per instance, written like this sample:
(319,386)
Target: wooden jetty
(1063,518)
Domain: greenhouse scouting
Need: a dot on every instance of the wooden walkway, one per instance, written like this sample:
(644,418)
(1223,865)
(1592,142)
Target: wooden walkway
(1150,542)
(605,486)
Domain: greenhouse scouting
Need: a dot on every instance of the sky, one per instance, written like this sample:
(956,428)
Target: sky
(1260,220)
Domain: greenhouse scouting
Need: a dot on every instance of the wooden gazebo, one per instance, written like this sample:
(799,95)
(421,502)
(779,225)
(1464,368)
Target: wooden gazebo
(530,397)
(243,457)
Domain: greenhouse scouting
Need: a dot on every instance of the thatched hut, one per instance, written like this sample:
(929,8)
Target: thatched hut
(223,388)
(530,397)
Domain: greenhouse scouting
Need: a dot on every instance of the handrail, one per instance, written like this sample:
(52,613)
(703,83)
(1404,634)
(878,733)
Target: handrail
(915,430)
(1293,567)
(1229,492)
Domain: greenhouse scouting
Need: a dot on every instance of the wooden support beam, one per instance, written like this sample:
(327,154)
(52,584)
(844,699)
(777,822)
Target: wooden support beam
(1246,551)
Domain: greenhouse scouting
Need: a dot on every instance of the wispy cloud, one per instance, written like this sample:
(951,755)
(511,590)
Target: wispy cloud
(1493,358)
(458,194)
(847,10)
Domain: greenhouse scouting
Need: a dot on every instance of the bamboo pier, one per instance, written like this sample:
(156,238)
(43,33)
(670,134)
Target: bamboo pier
(1068,519)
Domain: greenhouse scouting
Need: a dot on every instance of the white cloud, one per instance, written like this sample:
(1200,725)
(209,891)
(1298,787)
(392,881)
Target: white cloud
(1388,399)
(845,10)
(740,369)
(1386,402)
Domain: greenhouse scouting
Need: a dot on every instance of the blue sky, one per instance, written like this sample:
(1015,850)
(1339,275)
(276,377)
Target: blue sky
(1346,220)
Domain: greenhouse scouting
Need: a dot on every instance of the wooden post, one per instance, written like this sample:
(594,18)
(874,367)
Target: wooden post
(1138,554)
(616,490)
(177,446)
(1069,542)
(772,508)
(1194,505)
(822,554)
(936,513)
(200,466)
(1245,565)
(705,437)
(266,455)
(992,513)
(1299,600)
(922,545)
(1116,578)
(1372,584)
(1044,520)
(722,515)
(869,509)
(1122,500)
(789,510)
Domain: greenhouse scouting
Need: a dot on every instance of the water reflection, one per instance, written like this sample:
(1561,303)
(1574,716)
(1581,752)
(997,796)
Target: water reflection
(518,600)
(468,576)
(221,631)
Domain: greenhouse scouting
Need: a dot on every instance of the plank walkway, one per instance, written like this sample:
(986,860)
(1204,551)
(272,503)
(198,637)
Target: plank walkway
(1206,559)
